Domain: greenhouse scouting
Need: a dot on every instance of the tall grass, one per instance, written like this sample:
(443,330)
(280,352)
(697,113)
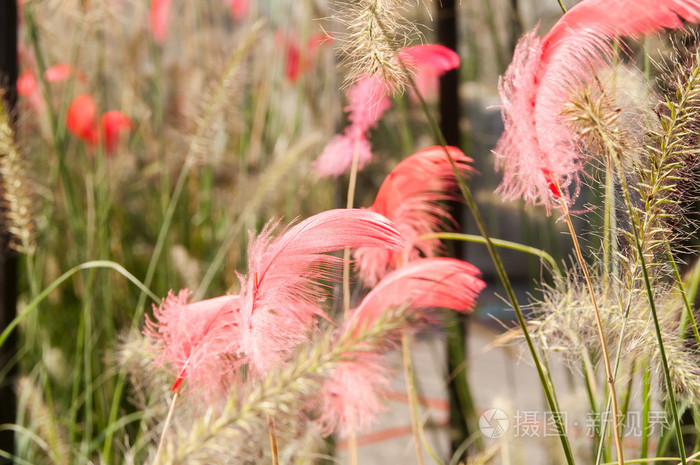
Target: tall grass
(228,112)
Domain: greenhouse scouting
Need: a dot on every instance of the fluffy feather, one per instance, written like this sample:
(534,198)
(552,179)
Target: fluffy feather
(197,339)
(281,292)
(412,196)
(429,62)
(352,397)
(368,100)
(538,152)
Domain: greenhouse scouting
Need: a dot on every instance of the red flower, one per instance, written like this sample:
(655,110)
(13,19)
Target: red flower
(160,19)
(81,119)
(113,124)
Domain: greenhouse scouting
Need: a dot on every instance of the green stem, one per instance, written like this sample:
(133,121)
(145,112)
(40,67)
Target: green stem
(33,305)
(688,314)
(652,307)
(543,374)
(498,243)
(646,408)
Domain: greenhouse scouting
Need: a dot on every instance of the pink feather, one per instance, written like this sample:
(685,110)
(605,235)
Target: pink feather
(280,296)
(429,61)
(413,196)
(538,153)
(352,398)
(197,339)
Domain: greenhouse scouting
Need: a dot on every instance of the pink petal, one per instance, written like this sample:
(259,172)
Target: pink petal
(352,398)
(368,100)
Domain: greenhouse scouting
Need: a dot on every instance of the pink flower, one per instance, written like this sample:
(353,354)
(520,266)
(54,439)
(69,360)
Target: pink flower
(352,398)
(81,119)
(429,62)
(280,295)
(538,153)
(114,123)
(160,19)
(198,340)
(413,196)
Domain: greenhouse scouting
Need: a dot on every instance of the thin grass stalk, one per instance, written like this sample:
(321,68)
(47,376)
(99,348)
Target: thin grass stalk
(601,334)
(602,453)
(59,142)
(543,374)
(411,390)
(609,226)
(646,409)
(274,449)
(270,178)
(688,314)
(352,447)
(352,183)
(31,306)
(634,221)
(498,243)
(166,426)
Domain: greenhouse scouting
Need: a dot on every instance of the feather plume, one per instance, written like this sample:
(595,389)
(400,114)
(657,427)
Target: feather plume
(197,339)
(280,295)
(412,196)
(538,152)
(429,62)
(352,397)
(368,100)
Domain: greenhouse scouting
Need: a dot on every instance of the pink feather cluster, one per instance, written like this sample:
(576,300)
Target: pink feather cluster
(206,342)
(413,196)
(352,398)
(538,152)
(368,100)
